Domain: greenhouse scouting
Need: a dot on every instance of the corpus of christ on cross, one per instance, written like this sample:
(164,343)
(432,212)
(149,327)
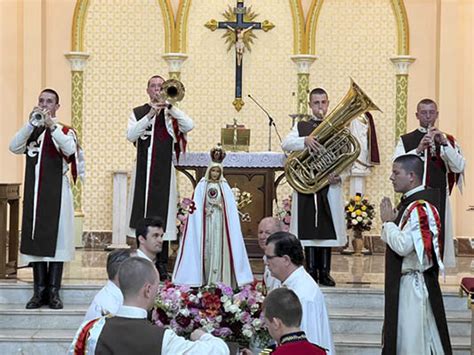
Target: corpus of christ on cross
(239,26)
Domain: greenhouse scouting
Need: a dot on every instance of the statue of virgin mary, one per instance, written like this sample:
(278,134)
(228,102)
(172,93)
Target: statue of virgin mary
(212,249)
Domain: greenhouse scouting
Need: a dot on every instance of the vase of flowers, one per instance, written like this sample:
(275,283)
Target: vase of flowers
(284,213)
(359,214)
(234,315)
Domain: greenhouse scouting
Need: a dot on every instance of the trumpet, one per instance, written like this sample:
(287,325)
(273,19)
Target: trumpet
(432,148)
(37,117)
(172,91)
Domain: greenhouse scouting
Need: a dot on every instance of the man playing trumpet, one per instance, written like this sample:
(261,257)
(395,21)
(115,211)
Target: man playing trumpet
(444,166)
(48,214)
(156,129)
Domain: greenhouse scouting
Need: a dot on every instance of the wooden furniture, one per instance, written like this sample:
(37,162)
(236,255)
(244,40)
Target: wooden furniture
(9,196)
(251,172)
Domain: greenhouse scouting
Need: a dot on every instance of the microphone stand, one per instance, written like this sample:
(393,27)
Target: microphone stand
(271,122)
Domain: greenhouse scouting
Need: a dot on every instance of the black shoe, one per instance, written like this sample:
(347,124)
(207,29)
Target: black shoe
(40,279)
(54,299)
(311,266)
(326,280)
(55,276)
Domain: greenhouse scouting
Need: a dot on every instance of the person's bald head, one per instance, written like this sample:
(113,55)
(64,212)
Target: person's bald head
(266,227)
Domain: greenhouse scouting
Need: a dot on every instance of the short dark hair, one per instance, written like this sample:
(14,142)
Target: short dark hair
(144,223)
(318,91)
(114,259)
(426,101)
(134,273)
(153,77)
(287,244)
(411,163)
(283,303)
(51,91)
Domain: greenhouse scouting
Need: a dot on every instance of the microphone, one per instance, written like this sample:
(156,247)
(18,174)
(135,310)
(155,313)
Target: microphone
(271,123)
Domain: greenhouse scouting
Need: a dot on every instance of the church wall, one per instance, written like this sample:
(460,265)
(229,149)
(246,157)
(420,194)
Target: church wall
(36,35)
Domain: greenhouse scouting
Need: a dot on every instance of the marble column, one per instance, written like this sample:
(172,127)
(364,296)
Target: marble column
(175,63)
(402,63)
(119,214)
(78,62)
(303,64)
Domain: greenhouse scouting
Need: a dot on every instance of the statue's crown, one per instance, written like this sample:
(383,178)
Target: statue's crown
(218,153)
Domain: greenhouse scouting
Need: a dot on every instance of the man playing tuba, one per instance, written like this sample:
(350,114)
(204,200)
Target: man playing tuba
(317,219)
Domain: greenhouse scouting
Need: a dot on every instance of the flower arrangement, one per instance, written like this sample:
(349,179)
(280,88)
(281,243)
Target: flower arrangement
(235,316)
(185,207)
(284,213)
(359,213)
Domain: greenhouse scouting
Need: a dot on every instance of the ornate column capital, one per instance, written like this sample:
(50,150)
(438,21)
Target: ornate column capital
(402,62)
(78,60)
(175,61)
(303,62)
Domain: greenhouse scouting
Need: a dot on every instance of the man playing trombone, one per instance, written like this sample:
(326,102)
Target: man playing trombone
(444,166)
(48,213)
(157,129)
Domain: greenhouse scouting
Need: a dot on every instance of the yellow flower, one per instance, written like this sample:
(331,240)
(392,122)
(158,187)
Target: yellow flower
(363,208)
(357,198)
(358,212)
(350,208)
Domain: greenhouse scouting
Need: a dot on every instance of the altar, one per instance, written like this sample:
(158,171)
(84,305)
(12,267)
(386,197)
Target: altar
(250,172)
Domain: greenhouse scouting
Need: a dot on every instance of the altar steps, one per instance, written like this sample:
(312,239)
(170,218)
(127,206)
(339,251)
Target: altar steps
(356,317)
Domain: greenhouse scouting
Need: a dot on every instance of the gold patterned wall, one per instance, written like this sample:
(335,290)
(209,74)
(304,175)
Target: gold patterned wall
(125,42)
(356,38)
(269,75)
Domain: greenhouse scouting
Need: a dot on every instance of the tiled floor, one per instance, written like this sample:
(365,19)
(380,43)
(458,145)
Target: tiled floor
(348,271)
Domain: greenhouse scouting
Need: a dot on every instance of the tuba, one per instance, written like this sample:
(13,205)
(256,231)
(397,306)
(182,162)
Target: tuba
(172,91)
(308,172)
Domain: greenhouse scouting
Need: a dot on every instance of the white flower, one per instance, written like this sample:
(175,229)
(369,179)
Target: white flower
(354,222)
(247,333)
(366,221)
(227,305)
(257,323)
(359,219)
(364,214)
(353,214)
(234,308)
(219,319)
(224,299)
(203,321)
(184,312)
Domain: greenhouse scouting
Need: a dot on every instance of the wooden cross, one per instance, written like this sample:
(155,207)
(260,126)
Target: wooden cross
(239,26)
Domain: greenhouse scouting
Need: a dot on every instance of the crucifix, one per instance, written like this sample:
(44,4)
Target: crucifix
(239,26)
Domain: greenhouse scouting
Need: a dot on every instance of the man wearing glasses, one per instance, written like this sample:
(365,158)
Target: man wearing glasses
(284,257)
(444,166)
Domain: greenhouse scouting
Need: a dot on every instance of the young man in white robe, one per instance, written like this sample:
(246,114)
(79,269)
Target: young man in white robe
(317,219)
(109,299)
(48,212)
(415,319)
(444,167)
(158,130)
(284,257)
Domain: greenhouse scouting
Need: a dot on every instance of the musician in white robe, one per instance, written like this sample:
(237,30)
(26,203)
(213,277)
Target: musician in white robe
(415,319)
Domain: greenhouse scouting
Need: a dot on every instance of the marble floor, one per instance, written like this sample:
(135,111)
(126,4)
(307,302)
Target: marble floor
(88,267)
